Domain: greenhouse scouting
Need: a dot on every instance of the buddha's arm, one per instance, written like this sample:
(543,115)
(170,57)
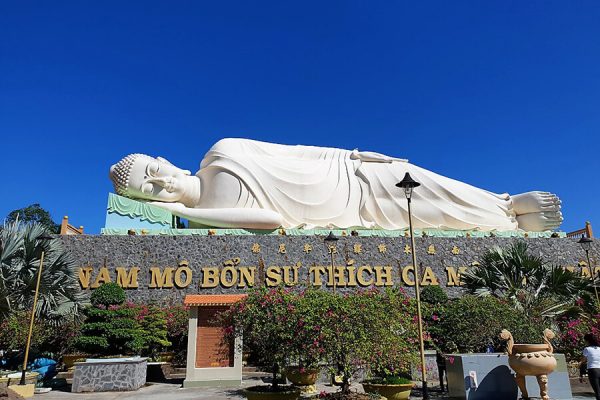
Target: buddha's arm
(249,218)
(370,156)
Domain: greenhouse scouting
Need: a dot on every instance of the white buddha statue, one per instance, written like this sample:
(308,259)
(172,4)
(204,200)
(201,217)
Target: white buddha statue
(244,183)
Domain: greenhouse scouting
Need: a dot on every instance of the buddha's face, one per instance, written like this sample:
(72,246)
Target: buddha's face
(156,179)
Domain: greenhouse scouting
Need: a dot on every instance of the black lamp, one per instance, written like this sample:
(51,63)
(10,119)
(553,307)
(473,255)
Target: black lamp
(586,243)
(331,238)
(408,184)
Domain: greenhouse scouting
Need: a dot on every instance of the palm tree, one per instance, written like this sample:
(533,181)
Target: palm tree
(533,286)
(20,250)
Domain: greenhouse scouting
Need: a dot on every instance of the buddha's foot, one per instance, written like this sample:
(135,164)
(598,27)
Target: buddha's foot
(539,222)
(537,211)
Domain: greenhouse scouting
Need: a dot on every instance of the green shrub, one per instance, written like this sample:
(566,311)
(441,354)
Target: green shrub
(433,294)
(111,331)
(110,327)
(470,324)
(153,323)
(108,294)
(14,330)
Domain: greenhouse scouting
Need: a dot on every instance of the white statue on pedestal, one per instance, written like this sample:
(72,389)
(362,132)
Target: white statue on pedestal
(257,185)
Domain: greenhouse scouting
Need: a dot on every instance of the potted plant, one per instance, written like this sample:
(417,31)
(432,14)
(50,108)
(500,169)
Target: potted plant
(306,348)
(347,320)
(394,346)
(64,340)
(263,320)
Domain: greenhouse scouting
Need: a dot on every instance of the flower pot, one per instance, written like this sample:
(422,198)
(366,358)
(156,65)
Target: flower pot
(15,378)
(266,393)
(389,391)
(69,360)
(166,356)
(531,359)
(302,376)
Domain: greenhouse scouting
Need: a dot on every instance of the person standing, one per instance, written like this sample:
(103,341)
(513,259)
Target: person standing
(591,355)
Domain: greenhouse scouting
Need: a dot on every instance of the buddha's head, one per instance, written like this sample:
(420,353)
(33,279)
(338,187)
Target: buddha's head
(139,176)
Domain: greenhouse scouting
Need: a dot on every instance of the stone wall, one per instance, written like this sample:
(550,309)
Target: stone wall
(272,257)
(109,376)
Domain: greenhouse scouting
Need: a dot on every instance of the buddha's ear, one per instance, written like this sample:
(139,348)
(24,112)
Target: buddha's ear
(164,160)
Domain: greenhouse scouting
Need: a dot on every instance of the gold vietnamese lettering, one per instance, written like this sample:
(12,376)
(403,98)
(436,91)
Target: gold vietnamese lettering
(351,276)
(229,276)
(247,275)
(183,270)
(160,279)
(453,276)
(429,278)
(85,275)
(210,277)
(316,273)
(383,276)
(360,275)
(102,277)
(406,278)
(273,276)
(127,279)
(336,278)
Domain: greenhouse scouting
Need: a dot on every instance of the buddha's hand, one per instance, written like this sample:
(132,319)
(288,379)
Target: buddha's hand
(174,208)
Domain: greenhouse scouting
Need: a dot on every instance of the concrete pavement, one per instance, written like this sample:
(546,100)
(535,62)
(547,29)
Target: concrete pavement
(173,391)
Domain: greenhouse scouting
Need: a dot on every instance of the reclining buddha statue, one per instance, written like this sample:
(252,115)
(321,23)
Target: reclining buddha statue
(249,184)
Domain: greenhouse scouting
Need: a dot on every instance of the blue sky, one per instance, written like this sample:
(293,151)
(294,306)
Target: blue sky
(503,95)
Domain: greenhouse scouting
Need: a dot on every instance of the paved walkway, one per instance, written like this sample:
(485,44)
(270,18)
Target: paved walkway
(173,391)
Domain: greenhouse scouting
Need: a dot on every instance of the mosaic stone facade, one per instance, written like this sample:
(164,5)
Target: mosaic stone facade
(301,254)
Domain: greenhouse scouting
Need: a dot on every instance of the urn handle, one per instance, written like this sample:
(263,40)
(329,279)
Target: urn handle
(506,335)
(548,336)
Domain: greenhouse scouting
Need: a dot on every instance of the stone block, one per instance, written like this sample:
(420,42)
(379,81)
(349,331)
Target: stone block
(98,375)
(495,379)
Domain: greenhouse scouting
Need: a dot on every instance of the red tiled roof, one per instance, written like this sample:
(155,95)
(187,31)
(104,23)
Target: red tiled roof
(212,299)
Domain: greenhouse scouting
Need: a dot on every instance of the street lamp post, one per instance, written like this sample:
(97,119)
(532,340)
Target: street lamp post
(586,245)
(408,184)
(330,241)
(41,238)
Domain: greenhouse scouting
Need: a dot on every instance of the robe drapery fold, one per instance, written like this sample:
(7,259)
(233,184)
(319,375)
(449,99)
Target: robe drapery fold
(323,187)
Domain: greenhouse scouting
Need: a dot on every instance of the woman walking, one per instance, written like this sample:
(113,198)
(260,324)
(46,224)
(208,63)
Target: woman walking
(591,355)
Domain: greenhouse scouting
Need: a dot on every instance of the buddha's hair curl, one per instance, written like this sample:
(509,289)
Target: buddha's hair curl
(120,172)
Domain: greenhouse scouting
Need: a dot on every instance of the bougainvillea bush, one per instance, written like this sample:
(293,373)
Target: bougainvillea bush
(395,348)
(371,330)
(571,331)
(267,322)
(177,331)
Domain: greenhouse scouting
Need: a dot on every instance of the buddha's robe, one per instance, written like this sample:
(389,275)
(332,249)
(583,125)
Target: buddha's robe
(324,187)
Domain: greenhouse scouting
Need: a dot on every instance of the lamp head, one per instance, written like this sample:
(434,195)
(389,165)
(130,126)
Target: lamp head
(408,184)
(331,238)
(586,243)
